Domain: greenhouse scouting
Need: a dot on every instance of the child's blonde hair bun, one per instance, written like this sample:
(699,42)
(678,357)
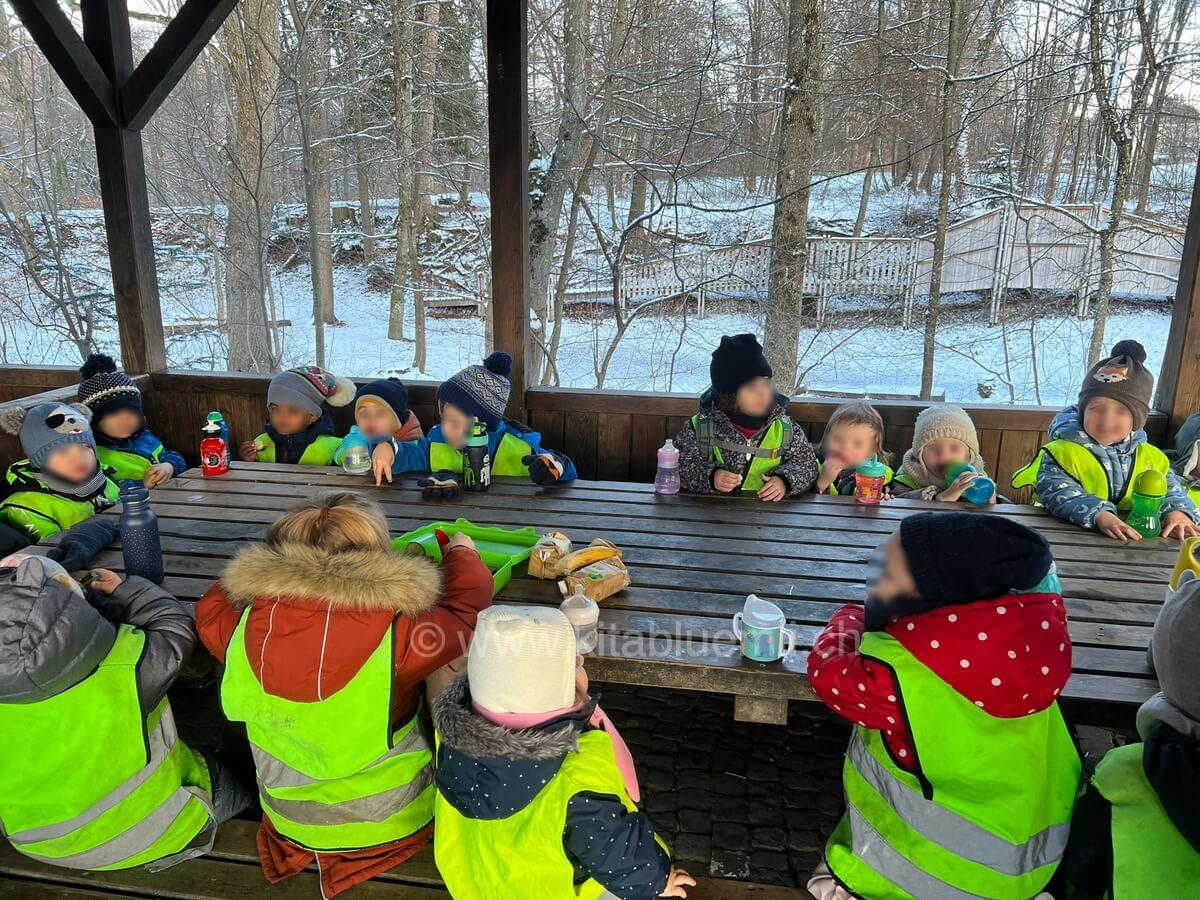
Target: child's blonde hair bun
(336,523)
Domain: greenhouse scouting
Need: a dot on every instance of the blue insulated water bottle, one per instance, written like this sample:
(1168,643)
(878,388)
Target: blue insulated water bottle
(140,542)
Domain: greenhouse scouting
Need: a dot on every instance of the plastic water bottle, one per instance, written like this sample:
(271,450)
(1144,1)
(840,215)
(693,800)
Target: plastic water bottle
(356,452)
(584,615)
(666,477)
(980,490)
(868,481)
(222,424)
(1149,491)
(477,462)
(140,542)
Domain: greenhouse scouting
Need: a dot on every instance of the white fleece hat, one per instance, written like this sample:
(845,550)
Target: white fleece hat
(522,660)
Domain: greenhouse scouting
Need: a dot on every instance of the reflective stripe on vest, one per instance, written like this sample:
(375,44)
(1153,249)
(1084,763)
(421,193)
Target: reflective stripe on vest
(971,823)
(332,775)
(521,855)
(125,464)
(1081,464)
(507,461)
(761,463)
(1147,847)
(83,785)
(318,453)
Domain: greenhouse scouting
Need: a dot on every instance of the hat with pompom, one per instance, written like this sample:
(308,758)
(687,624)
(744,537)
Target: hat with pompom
(309,388)
(105,388)
(481,391)
(1123,377)
(44,428)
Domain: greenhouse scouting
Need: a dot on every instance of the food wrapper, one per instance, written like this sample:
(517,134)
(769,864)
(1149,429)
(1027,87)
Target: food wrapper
(550,548)
(599,580)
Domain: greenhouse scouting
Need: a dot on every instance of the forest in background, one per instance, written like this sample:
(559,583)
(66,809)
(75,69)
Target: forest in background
(349,139)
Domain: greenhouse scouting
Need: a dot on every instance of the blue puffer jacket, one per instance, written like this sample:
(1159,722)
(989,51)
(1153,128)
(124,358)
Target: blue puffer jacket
(413,456)
(1065,498)
(143,443)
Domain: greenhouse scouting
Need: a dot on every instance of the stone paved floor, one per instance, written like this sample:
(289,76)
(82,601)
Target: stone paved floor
(733,799)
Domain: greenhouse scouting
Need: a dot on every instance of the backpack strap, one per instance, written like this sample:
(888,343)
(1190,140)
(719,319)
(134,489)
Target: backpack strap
(704,434)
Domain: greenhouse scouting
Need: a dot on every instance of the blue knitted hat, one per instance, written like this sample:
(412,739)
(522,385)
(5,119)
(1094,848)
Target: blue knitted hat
(389,391)
(481,391)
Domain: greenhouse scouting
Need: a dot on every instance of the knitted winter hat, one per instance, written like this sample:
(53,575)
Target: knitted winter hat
(104,388)
(1173,646)
(962,557)
(391,392)
(480,391)
(522,660)
(944,421)
(309,388)
(46,427)
(1123,377)
(736,360)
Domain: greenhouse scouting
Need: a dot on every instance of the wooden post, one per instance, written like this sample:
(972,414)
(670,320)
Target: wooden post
(508,157)
(1179,380)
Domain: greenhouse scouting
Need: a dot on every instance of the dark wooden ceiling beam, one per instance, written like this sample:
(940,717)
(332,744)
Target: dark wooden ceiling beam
(173,53)
(71,58)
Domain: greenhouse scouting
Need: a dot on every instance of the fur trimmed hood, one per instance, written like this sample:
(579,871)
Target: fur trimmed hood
(356,580)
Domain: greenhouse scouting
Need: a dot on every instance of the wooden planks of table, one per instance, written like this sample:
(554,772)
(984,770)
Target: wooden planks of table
(693,559)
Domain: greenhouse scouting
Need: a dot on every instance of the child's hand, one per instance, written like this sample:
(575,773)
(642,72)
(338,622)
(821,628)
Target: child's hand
(1110,525)
(1179,525)
(831,470)
(460,540)
(726,481)
(676,882)
(105,582)
(382,458)
(248,451)
(158,474)
(543,468)
(955,490)
(773,490)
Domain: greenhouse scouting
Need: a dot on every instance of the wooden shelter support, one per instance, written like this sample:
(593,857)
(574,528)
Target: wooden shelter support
(1179,381)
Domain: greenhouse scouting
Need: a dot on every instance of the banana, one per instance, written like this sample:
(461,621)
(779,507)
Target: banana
(599,550)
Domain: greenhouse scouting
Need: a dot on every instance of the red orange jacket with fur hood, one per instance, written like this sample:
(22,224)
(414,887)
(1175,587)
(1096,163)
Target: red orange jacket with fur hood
(292,591)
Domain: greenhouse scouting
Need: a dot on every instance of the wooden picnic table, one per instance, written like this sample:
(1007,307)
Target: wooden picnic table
(693,559)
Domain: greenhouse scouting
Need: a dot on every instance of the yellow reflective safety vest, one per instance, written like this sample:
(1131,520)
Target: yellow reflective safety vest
(333,774)
(40,512)
(1081,464)
(987,815)
(125,465)
(1150,856)
(87,783)
(766,456)
(521,856)
(507,460)
(318,453)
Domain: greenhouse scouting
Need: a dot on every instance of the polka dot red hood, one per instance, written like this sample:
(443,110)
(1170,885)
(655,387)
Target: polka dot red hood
(1010,656)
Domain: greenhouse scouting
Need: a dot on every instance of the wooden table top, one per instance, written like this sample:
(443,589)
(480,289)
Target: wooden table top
(693,559)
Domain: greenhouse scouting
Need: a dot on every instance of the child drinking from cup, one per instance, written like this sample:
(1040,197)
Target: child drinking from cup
(743,438)
(853,435)
(943,437)
(298,427)
(951,674)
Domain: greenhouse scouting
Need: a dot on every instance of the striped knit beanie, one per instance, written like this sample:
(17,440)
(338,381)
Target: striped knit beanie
(104,388)
(481,391)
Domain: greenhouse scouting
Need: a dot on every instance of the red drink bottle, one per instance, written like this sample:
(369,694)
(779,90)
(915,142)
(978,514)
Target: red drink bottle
(214,452)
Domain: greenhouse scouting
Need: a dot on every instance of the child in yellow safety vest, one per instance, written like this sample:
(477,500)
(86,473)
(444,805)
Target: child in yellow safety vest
(123,441)
(298,427)
(476,393)
(1185,458)
(743,438)
(537,794)
(1098,447)
(943,436)
(1136,831)
(853,435)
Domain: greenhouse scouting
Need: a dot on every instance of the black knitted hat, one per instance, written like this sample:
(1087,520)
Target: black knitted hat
(105,388)
(737,359)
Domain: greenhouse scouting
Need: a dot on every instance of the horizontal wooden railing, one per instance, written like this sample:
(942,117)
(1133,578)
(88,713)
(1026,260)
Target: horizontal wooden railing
(610,434)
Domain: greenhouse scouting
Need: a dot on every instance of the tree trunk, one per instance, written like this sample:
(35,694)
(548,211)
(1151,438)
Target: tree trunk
(402,67)
(362,155)
(1149,144)
(876,155)
(422,182)
(797,133)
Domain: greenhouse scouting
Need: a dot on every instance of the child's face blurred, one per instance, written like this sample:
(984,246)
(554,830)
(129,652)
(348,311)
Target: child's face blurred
(120,424)
(940,454)
(755,398)
(895,579)
(850,443)
(456,424)
(72,462)
(1108,421)
(288,419)
(374,419)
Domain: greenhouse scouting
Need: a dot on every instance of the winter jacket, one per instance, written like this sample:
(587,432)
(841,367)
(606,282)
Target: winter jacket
(143,444)
(414,456)
(486,771)
(1185,458)
(916,482)
(314,446)
(798,468)
(846,483)
(1011,654)
(38,510)
(411,430)
(1065,498)
(315,618)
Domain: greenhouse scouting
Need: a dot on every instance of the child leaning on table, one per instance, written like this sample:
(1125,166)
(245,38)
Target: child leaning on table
(1098,447)
(944,435)
(537,794)
(951,674)
(382,415)
(124,443)
(743,437)
(853,435)
(298,427)
(327,635)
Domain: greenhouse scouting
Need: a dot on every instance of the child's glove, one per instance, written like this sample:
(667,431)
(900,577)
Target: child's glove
(543,468)
(439,485)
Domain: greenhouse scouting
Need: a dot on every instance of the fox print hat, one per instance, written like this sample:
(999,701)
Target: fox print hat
(1123,377)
